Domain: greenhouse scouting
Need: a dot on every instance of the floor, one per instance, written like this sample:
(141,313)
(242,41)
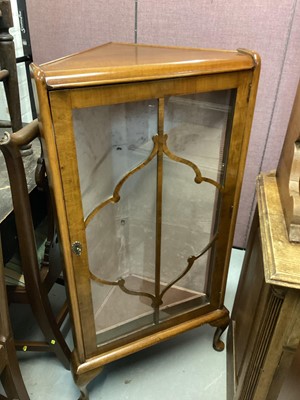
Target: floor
(185,368)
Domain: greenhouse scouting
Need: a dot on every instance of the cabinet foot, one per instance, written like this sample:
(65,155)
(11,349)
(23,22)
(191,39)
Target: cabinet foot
(82,379)
(84,394)
(221,325)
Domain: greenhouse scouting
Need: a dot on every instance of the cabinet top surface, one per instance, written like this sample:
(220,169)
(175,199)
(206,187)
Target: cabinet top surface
(124,62)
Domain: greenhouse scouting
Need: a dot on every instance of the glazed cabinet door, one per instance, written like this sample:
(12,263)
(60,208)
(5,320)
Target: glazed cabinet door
(149,185)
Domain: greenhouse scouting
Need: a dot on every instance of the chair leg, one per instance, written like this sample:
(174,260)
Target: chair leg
(11,377)
(48,325)
(35,289)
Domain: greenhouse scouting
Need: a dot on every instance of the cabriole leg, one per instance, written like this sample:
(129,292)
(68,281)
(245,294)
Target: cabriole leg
(82,379)
(221,325)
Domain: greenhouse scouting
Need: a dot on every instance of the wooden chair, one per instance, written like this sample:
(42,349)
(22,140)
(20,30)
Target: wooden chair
(10,373)
(8,73)
(39,278)
(8,69)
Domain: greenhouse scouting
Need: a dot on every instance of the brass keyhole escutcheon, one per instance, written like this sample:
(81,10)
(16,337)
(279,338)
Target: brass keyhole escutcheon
(77,248)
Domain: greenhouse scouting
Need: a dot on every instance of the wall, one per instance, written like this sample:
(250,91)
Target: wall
(271,27)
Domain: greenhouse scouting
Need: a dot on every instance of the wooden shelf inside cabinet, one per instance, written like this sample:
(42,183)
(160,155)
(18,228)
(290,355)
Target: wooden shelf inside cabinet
(145,149)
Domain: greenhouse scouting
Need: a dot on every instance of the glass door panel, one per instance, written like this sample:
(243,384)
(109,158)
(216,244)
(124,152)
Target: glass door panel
(110,141)
(150,235)
(117,170)
(196,127)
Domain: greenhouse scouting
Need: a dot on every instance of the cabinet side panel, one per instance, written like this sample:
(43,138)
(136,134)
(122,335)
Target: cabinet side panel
(247,311)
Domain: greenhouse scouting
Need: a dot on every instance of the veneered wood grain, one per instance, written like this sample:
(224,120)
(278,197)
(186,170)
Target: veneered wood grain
(117,62)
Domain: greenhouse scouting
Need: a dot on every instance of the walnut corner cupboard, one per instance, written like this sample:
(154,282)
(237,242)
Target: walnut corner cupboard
(145,149)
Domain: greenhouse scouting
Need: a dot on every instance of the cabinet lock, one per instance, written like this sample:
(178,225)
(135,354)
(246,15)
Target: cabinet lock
(77,248)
